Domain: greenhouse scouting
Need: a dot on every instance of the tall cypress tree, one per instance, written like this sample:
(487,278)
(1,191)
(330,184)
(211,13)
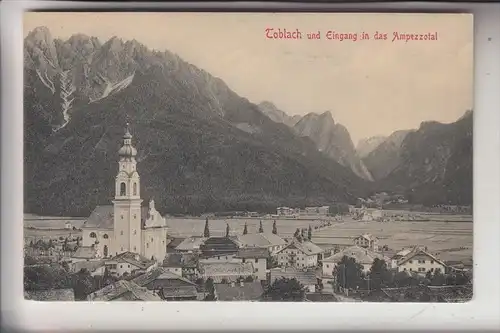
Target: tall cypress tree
(227,229)
(261,229)
(275,229)
(309,233)
(206,232)
(245,230)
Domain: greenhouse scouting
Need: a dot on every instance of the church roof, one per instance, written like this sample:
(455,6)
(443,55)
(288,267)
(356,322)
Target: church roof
(103,215)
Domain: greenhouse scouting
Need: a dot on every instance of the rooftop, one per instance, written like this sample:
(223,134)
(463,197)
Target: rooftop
(307,247)
(361,255)
(303,277)
(264,239)
(102,217)
(249,291)
(252,252)
(121,290)
(158,274)
(50,295)
(186,260)
(190,244)
(226,269)
(134,259)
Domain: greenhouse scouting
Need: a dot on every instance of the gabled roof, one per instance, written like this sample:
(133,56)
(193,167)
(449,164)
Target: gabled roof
(174,242)
(102,217)
(50,295)
(85,252)
(133,259)
(252,253)
(190,243)
(159,274)
(250,291)
(228,268)
(180,292)
(361,255)
(261,240)
(90,266)
(307,247)
(123,289)
(419,251)
(303,277)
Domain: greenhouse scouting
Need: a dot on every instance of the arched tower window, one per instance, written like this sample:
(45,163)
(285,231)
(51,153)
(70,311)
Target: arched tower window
(105,236)
(135,188)
(93,235)
(123,189)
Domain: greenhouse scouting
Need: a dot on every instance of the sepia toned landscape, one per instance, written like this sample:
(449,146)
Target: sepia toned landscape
(159,171)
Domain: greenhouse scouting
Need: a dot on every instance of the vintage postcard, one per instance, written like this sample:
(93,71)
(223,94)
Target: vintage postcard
(248,157)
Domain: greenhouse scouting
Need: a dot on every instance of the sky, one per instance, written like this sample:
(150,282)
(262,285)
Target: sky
(372,87)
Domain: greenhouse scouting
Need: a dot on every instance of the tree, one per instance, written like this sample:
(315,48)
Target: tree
(348,273)
(297,233)
(379,275)
(245,229)
(206,232)
(224,281)
(249,279)
(275,229)
(438,279)
(31,243)
(65,245)
(272,262)
(227,229)
(210,289)
(261,229)
(78,242)
(285,289)
(83,284)
(309,233)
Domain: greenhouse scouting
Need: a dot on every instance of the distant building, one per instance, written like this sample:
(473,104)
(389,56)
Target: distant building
(242,291)
(68,225)
(172,243)
(183,264)
(420,261)
(299,254)
(287,211)
(367,241)
(317,211)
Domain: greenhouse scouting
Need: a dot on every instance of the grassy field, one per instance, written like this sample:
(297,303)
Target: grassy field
(448,235)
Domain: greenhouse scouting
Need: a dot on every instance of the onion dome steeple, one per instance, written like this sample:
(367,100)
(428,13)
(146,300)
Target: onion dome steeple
(127,150)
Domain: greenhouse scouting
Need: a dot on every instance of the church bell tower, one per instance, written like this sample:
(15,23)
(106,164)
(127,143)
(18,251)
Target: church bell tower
(127,203)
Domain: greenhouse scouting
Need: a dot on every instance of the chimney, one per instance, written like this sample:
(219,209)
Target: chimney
(232,284)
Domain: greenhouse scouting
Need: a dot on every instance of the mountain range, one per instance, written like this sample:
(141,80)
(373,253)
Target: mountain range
(201,147)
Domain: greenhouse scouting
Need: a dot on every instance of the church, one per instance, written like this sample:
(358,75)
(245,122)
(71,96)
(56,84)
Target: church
(126,226)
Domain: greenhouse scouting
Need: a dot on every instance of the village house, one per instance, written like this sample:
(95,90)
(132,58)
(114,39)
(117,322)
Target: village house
(183,264)
(306,278)
(367,241)
(420,261)
(94,267)
(258,257)
(316,211)
(363,256)
(242,291)
(85,253)
(126,226)
(68,225)
(300,255)
(127,263)
(226,272)
(123,290)
(273,243)
(169,286)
